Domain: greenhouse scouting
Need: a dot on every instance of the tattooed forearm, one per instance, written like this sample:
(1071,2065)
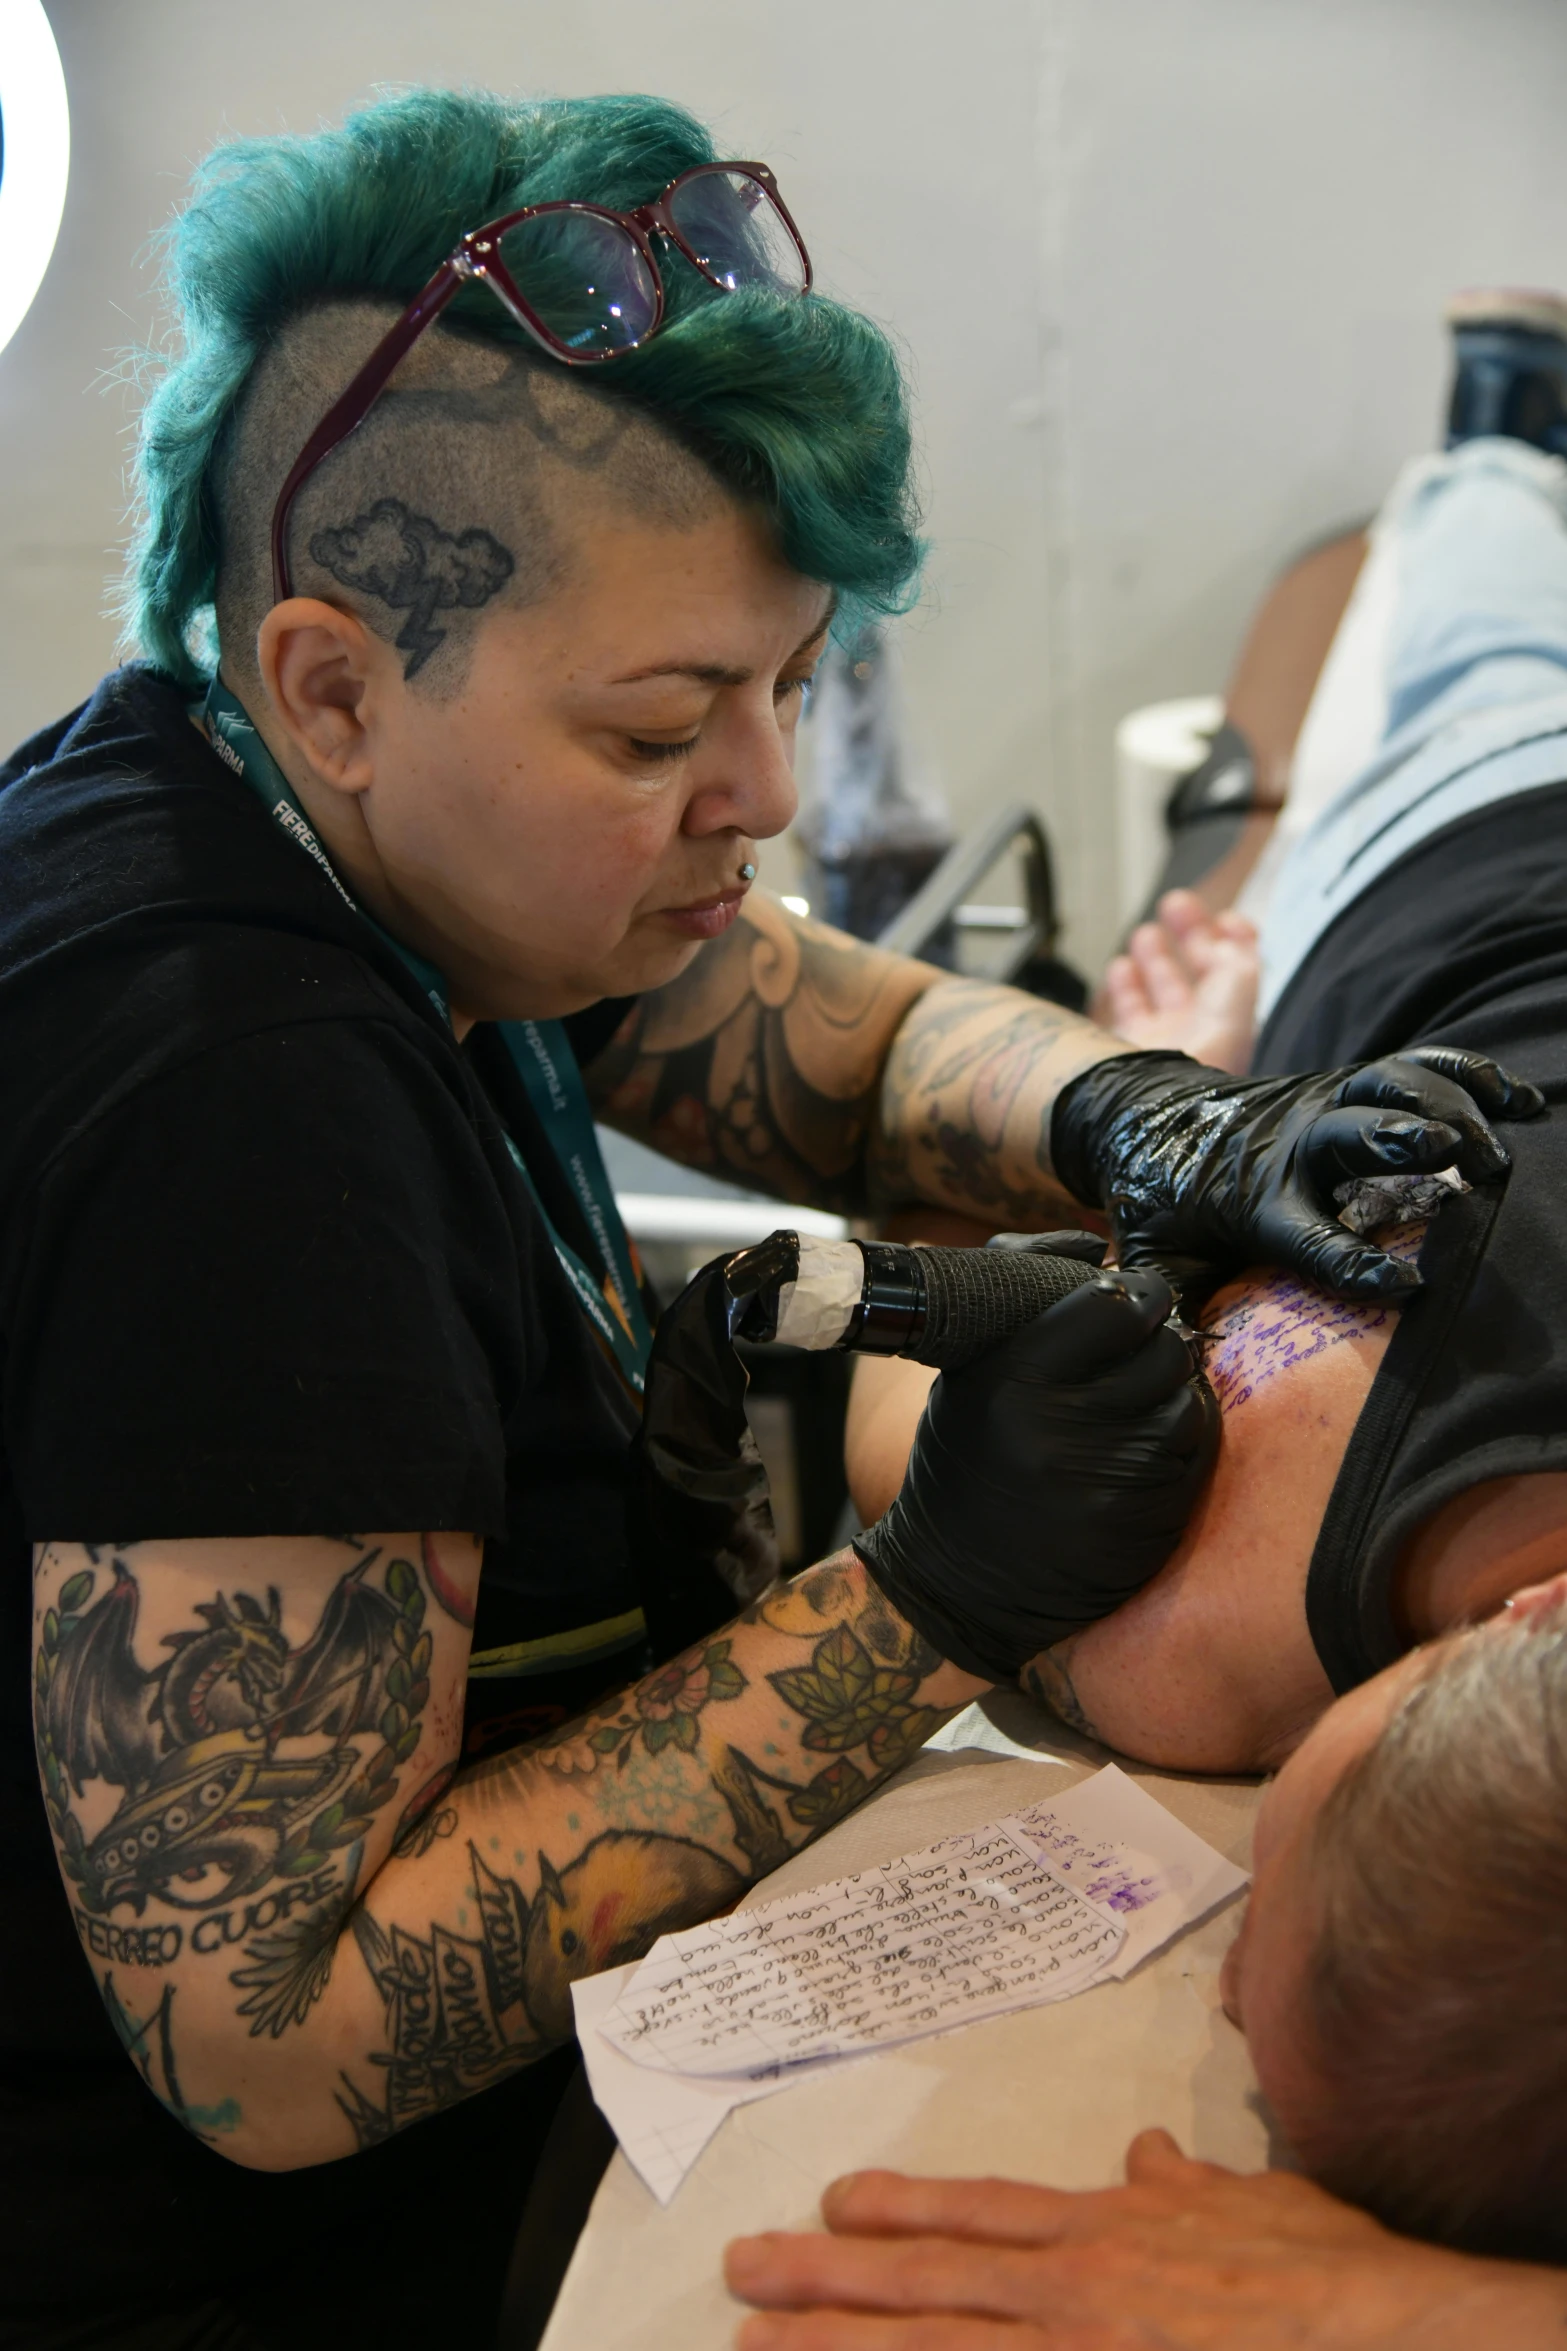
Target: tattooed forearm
(455,2013)
(763,1061)
(744,1748)
(967,1100)
(262,1829)
(461,2010)
(1047,1678)
(810,1065)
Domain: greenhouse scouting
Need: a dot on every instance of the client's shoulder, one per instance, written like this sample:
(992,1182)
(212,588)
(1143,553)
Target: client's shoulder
(1211,1667)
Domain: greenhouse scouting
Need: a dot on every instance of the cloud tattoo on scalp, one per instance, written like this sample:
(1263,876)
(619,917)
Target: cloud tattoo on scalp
(408,562)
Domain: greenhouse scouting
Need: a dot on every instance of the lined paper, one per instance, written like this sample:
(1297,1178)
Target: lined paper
(663,2121)
(973,1926)
(1121,1849)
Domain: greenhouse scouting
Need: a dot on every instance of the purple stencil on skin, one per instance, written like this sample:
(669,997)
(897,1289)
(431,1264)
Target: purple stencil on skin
(1284,1321)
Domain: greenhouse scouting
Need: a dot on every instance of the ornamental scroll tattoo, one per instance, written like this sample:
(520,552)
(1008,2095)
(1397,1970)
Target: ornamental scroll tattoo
(763,1061)
(229,1766)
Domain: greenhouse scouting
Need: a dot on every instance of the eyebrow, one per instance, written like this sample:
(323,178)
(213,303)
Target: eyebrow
(707,673)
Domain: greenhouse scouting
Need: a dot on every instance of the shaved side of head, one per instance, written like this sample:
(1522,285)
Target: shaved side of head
(458,496)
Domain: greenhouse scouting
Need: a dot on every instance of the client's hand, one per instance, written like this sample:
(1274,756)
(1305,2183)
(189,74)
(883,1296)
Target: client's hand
(1048,1479)
(1197,1167)
(1186,2257)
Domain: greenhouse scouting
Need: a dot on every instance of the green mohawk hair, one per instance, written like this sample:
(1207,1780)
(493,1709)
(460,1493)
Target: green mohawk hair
(796,404)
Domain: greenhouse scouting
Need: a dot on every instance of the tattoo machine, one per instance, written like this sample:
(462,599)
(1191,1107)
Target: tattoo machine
(700,1518)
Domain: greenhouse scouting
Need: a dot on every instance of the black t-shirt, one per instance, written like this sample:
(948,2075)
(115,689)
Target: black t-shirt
(1463,942)
(266,1267)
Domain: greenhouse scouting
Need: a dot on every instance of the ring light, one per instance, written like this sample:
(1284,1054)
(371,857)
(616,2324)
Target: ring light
(35,156)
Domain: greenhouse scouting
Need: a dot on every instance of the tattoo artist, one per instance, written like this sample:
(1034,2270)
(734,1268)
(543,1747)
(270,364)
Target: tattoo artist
(499,519)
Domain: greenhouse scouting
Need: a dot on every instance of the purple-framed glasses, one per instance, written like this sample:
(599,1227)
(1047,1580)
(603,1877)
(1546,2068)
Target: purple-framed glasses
(584,282)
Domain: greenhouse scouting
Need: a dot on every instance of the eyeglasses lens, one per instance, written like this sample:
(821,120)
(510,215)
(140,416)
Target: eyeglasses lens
(737,232)
(585,278)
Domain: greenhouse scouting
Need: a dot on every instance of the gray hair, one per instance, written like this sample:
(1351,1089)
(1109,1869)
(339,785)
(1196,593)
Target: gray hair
(1436,1986)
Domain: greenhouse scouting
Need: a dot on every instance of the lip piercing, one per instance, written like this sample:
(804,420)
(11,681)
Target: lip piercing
(748,873)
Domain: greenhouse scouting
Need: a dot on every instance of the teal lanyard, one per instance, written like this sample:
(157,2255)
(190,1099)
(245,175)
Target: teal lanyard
(540,1050)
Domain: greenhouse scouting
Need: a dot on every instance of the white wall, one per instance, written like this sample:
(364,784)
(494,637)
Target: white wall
(1167,273)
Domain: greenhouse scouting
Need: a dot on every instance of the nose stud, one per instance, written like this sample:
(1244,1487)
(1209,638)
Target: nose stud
(748,872)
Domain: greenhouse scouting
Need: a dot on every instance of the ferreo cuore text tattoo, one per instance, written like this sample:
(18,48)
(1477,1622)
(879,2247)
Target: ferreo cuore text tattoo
(227,1781)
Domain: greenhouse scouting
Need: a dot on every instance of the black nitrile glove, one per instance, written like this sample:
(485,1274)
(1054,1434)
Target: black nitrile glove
(1049,1479)
(1196,1167)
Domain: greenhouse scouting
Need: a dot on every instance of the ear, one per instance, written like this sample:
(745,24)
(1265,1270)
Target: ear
(1535,1599)
(323,671)
(1230,1974)
(550,1886)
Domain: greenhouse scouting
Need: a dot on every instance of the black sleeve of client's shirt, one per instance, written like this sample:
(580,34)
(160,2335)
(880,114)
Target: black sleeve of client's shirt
(276,1294)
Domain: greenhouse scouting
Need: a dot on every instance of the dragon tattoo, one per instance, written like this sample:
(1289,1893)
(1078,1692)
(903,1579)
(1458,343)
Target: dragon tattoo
(206,1744)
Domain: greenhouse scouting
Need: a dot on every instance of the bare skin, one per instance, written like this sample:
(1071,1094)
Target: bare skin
(1185,2257)
(1211,1668)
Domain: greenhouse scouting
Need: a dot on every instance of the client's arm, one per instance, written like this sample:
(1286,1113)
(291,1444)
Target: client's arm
(1211,1668)
(1186,2255)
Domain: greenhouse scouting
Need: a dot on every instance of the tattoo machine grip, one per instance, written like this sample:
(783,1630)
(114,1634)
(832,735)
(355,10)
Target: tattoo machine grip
(973,1299)
(699,1521)
(943,1307)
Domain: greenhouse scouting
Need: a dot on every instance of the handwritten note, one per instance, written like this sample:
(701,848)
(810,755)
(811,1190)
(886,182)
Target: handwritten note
(973,1926)
(663,2120)
(1076,1890)
(1122,1850)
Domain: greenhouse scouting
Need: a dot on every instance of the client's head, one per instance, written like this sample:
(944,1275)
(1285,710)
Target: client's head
(1399,1974)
